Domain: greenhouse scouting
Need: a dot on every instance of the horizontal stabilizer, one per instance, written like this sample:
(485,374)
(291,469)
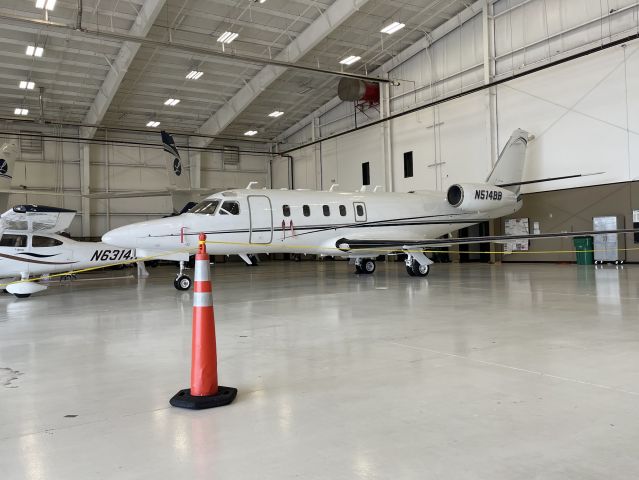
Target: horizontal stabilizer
(551,179)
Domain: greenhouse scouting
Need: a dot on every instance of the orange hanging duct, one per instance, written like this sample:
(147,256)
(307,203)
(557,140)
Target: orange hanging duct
(354,90)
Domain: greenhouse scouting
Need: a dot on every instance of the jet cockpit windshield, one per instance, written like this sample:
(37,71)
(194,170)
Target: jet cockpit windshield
(207,207)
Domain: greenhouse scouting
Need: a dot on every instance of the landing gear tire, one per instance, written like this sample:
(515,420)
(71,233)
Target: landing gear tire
(358,268)
(183,282)
(415,269)
(22,295)
(367,266)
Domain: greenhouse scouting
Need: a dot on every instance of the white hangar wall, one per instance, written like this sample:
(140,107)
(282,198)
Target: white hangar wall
(584,113)
(56,163)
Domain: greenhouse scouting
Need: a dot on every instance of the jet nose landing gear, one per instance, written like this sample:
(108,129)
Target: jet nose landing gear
(182,281)
(418,264)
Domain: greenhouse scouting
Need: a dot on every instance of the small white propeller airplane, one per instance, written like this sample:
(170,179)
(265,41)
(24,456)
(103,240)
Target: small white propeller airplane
(30,247)
(360,225)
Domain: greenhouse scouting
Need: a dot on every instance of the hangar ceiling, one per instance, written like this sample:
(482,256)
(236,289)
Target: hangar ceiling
(115,83)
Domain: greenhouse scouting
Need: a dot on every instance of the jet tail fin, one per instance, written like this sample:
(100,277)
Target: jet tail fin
(509,169)
(174,168)
(8,155)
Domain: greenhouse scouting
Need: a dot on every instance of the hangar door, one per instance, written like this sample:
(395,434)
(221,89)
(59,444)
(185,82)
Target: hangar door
(261,217)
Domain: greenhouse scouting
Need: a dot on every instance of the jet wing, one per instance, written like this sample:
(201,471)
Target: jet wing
(346,245)
(36,218)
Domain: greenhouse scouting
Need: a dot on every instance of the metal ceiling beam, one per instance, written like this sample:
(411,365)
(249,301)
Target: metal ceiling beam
(326,23)
(197,49)
(119,67)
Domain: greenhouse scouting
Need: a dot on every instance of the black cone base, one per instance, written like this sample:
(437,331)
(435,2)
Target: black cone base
(184,399)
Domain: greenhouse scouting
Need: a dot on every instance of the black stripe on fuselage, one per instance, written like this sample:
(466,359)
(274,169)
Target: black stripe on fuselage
(310,229)
(38,255)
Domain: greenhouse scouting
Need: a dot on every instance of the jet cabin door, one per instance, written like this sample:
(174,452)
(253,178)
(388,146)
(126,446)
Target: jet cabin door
(261,216)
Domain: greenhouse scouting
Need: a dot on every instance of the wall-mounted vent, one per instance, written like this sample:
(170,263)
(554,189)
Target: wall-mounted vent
(30,143)
(231,157)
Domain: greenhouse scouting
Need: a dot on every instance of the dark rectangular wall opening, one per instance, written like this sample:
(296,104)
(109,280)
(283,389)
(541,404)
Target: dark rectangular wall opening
(408,164)
(366,173)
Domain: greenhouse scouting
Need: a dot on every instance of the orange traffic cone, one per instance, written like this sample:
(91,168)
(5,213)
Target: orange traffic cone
(204,391)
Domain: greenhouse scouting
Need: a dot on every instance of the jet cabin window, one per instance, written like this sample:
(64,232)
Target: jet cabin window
(207,207)
(342,210)
(15,241)
(306,210)
(327,210)
(230,208)
(38,241)
(286,210)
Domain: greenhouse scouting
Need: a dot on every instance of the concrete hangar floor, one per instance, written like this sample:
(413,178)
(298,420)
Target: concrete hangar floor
(478,371)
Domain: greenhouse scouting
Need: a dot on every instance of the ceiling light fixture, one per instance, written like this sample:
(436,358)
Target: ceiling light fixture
(48,4)
(172,102)
(24,85)
(250,133)
(227,37)
(194,75)
(21,111)
(392,28)
(349,60)
(153,124)
(34,51)
(276,114)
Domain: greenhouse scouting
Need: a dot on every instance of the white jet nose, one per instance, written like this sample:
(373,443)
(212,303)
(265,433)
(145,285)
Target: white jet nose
(119,237)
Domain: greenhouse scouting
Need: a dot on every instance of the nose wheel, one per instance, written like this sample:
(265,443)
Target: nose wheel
(182,281)
(415,269)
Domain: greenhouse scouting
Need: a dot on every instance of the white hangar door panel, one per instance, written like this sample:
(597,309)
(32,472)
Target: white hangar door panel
(261,216)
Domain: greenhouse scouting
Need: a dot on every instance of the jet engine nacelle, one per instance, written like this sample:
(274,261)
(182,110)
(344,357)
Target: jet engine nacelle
(478,197)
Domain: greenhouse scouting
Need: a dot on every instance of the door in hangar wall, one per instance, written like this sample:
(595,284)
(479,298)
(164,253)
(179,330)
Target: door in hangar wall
(261,217)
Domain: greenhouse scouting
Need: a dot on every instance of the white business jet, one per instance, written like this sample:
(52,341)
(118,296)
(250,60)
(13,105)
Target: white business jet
(30,247)
(360,225)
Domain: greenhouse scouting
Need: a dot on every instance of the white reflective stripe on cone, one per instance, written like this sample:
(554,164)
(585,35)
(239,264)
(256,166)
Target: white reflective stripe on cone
(202,270)
(202,299)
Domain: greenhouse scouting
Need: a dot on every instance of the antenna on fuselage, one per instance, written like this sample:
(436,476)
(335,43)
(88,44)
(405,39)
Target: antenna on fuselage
(250,185)
(333,187)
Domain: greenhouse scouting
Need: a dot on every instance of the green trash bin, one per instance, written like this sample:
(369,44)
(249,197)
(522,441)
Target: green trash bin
(584,248)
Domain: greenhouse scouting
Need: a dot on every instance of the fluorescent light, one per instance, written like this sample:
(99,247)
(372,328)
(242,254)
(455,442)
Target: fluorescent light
(153,124)
(32,50)
(275,114)
(392,28)
(172,102)
(350,60)
(48,4)
(194,75)
(21,111)
(24,85)
(227,37)
(250,133)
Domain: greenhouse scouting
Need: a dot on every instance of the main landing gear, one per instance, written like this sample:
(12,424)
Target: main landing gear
(182,281)
(365,265)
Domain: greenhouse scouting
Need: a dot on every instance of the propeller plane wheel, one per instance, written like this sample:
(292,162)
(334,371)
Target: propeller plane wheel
(183,282)
(415,269)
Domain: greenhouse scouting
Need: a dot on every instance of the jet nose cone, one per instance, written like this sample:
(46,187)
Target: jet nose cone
(117,237)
